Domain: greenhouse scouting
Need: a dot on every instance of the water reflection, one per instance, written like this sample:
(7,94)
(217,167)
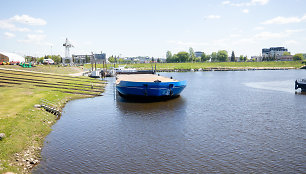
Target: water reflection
(145,106)
(283,86)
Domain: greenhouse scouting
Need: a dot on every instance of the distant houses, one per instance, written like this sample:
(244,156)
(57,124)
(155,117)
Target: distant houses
(268,54)
(276,54)
(198,53)
(273,51)
(91,58)
(144,59)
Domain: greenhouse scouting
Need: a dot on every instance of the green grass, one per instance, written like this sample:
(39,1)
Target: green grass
(206,65)
(172,66)
(25,126)
(47,69)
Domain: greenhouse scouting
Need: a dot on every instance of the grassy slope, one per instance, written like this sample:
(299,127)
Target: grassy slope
(172,66)
(25,126)
(47,69)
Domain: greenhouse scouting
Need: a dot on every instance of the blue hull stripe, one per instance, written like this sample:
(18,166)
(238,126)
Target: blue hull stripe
(152,89)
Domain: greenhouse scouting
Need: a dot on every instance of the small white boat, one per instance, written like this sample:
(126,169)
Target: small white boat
(122,69)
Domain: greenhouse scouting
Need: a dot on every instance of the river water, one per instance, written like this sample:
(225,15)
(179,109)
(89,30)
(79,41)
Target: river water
(223,122)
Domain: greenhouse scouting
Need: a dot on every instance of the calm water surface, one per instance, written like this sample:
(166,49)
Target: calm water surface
(224,122)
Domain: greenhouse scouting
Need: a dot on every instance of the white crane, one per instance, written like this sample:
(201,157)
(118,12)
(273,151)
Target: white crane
(67,46)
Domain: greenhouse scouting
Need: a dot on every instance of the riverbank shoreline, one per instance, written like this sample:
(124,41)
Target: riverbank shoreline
(211,66)
(226,69)
(26,126)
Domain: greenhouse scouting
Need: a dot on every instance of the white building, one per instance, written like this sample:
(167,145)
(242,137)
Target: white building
(198,53)
(12,57)
(273,51)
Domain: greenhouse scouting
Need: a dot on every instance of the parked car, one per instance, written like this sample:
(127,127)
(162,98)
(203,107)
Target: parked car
(48,61)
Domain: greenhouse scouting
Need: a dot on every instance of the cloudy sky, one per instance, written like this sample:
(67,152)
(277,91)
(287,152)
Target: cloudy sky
(151,27)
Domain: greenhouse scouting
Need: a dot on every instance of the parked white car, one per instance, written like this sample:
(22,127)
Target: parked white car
(48,61)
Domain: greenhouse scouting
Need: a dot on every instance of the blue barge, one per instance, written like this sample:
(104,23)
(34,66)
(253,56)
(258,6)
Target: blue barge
(148,86)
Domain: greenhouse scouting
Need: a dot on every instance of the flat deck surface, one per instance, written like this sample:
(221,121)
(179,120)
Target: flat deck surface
(142,78)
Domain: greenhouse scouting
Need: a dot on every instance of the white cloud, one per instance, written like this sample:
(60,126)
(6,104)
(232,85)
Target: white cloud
(269,35)
(234,35)
(26,19)
(39,31)
(285,20)
(34,39)
(244,4)
(260,2)
(5,24)
(189,44)
(291,42)
(273,35)
(9,35)
(259,28)
(245,11)
(244,41)
(212,17)
(9,24)
(226,2)
(294,31)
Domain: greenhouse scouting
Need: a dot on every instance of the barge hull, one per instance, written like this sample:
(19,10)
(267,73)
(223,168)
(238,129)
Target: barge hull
(151,89)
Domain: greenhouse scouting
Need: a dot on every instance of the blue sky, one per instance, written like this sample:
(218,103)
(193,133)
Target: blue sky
(151,27)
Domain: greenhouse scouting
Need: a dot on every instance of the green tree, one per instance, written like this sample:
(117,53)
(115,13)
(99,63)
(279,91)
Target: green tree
(56,58)
(245,58)
(120,60)
(214,57)
(204,57)
(286,53)
(40,60)
(174,58)
(191,54)
(111,59)
(87,59)
(152,59)
(241,58)
(197,59)
(168,56)
(222,56)
(233,57)
(182,56)
(297,57)
(158,60)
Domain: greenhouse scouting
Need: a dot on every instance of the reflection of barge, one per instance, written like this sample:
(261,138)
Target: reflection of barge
(301,83)
(148,86)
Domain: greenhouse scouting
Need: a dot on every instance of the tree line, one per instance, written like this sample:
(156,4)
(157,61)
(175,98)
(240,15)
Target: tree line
(117,59)
(56,58)
(183,56)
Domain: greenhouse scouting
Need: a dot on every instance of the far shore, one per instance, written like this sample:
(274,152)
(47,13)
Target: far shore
(210,66)
(227,69)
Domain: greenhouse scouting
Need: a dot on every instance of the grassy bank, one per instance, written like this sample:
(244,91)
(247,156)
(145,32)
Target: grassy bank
(47,69)
(233,65)
(208,65)
(26,126)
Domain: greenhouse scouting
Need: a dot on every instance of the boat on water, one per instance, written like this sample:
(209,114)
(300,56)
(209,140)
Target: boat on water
(300,83)
(148,86)
(123,69)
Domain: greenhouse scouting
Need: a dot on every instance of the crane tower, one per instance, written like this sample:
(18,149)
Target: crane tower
(67,46)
